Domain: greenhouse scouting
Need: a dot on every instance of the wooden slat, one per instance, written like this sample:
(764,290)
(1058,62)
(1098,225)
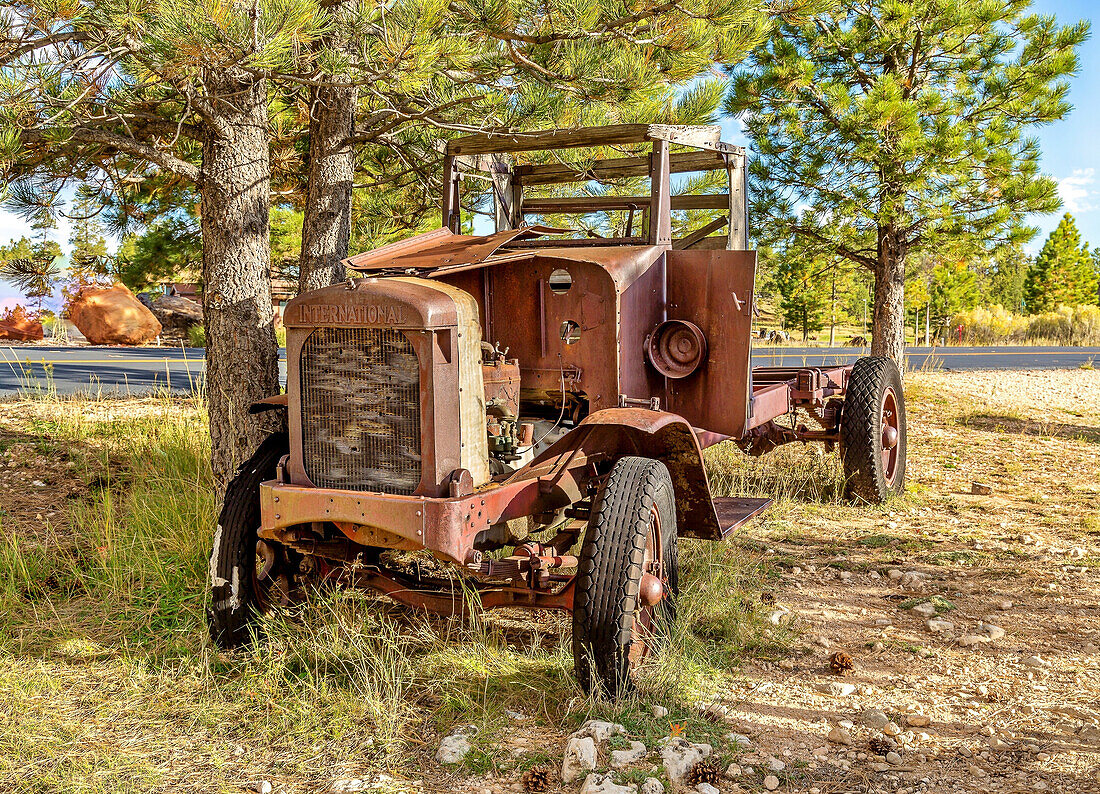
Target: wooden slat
(623,168)
(699,234)
(705,137)
(582,204)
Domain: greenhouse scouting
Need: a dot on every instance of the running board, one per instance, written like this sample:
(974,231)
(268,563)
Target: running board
(733,511)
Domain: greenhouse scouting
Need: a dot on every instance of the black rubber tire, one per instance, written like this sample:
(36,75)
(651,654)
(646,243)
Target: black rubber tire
(234,603)
(605,601)
(861,429)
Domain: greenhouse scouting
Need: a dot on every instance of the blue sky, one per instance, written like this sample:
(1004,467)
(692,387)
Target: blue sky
(1071,153)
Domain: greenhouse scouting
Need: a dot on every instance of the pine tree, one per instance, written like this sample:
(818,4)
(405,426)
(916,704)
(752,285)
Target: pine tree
(894,122)
(88,258)
(1063,273)
(953,288)
(803,282)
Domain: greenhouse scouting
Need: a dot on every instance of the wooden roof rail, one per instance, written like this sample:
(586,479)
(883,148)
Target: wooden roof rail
(700,137)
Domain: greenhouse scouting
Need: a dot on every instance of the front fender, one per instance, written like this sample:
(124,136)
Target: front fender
(613,433)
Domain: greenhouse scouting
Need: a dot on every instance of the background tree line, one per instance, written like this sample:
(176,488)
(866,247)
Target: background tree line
(811,291)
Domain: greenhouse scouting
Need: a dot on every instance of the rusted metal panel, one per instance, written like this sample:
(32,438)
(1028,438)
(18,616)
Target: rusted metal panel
(737,510)
(502,382)
(613,433)
(442,247)
(714,291)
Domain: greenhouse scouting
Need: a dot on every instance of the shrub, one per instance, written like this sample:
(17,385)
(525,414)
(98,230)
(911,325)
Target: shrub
(982,326)
(1066,325)
(196,336)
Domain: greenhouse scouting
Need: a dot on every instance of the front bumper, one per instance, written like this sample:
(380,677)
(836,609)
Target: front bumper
(447,526)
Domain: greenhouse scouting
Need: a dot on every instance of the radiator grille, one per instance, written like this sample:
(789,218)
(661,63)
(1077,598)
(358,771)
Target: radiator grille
(361,410)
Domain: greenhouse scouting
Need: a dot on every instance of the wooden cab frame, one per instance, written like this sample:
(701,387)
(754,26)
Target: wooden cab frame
(483,156)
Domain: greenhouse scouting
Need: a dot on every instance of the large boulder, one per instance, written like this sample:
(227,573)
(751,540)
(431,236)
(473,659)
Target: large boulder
(112,316)
(16,325)
(176,313)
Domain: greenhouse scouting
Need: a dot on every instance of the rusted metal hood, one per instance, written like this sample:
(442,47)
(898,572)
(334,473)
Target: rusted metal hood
(440,248)
(442,252)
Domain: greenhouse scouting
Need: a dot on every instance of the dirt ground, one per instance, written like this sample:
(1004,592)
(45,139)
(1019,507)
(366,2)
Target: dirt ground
(1017,713)
(972,621)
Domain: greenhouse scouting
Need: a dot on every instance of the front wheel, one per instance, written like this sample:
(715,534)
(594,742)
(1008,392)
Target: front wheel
(872,431)
(248,577)
(628,577)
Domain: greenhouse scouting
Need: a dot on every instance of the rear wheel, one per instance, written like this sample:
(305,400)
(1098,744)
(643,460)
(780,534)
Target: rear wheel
(872,431)
(248,577)
(628,578)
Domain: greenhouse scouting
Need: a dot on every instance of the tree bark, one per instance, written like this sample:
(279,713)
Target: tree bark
(326,228)
(888,325)
(242,363)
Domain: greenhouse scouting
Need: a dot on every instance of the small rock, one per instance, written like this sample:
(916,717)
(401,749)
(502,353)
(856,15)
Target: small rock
(774,764)
(918,720)
(976,771)
(991,631)
(680,756)
(706,788)
(778,616)
(739,739)
(652,785)
(580,757)
(892,757)
(836,688)
(981,489)
(733,771)
(452,749)
(891,729)
(516,715)
(940,626)
(659,712)
(599,730)
(823,642)
(894,574)
(604,784)
(1004,606)
(873,718)
(926,608)
(970,640)
(786,664)
(1035,661)
(912,579)
(264,787)
(997,743)
(771,782)
(621,758)
(840,735)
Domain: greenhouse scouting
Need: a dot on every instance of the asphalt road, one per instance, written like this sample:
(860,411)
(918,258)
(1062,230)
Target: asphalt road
(113,370)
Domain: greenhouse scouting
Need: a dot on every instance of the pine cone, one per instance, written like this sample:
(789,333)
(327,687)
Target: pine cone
(880,746)
(841,663)
(706,771)
(536,779)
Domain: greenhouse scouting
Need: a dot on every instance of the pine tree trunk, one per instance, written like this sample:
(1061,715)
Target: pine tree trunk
(888,327)
(242,362)
(326,228)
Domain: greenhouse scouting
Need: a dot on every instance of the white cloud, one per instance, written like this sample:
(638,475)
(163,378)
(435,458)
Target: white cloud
(1077,191)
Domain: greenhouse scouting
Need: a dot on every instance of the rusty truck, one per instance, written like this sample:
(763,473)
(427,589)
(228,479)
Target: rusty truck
(530,405)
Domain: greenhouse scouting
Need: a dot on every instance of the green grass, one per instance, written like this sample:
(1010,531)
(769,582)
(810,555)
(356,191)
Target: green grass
(108,680)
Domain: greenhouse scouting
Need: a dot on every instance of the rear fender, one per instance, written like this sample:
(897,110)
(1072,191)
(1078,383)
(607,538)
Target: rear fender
(617,432)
